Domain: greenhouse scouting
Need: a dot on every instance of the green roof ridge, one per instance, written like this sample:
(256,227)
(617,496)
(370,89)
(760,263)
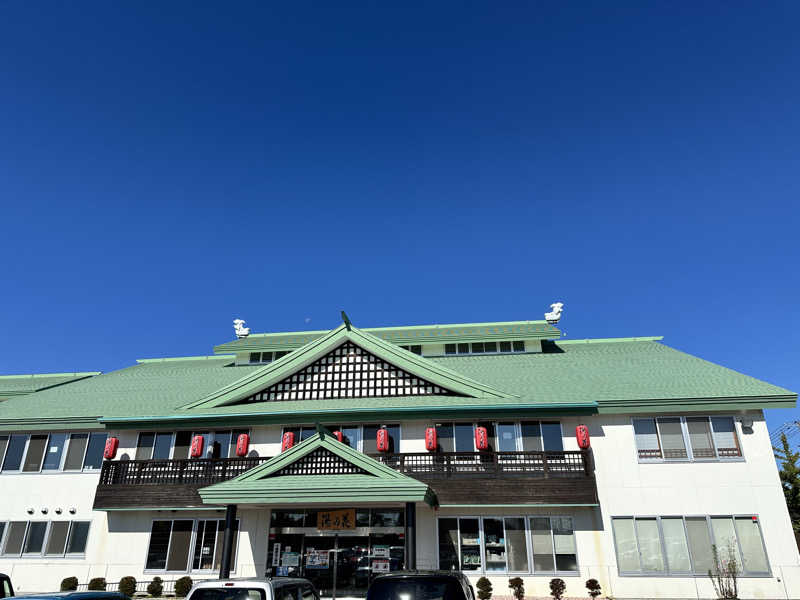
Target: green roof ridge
(652,338)
(180,358)
(40,375)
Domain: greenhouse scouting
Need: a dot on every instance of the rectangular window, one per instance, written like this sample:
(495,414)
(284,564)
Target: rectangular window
(494,544)
(14,538)
(14,452)
(183,440)
(78,536)
(371,437)
(55,449)
(463,348)
(551,436)
(490,347)
(516,544)
(57,540)
(144,446)
(531,436)
(34,540)
(506,437)
(448,544)
(725,438)
(542,542)
(3,446)
(664,438)
(683,545)
(699,430)
(470,544)
(94,451)
(179,545)
(162,446)
(505,346)
(449,348)
(159,544)
(75,451)
(519,346)
(671,434)
(35,453)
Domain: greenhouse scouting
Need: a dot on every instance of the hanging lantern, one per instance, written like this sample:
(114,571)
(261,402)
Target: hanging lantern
(382,440)
(582,435)
(431,442)
(288,441)
(242,444)
(196,450)
(110,451)
(481,438)
(338,435)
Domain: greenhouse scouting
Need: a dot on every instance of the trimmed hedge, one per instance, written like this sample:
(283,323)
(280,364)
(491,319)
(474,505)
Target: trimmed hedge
(69,584)
(98,584)
(127,586)
(155,587)
(182,586)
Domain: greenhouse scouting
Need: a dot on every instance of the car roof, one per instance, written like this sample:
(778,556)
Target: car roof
(454,574)
(75,595)
(251,580)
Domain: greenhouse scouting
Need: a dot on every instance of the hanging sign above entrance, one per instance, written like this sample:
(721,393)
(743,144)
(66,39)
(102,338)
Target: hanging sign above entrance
(334,520)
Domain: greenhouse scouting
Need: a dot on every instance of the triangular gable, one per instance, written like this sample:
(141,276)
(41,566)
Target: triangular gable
(407,366)
(320,469)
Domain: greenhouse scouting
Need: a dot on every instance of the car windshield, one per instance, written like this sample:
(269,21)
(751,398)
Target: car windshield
(413,588)
(228,593)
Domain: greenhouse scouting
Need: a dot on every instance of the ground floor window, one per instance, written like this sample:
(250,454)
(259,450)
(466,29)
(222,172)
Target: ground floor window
(507,544)
(44,538)
(684,545)
(174,542)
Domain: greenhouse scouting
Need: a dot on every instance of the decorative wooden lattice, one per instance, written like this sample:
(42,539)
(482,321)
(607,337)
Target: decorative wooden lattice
(348,372)
(321,462)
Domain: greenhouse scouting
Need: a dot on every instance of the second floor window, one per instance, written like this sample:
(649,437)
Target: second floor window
(504,436)
(45,452)
(686,438)
(165,445)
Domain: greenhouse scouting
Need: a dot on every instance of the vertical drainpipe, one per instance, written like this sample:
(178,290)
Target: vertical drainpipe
(227,542)
(411,536)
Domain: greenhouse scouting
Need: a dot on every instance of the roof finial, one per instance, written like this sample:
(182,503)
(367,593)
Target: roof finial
(553,317)
(346,320)
(240,329)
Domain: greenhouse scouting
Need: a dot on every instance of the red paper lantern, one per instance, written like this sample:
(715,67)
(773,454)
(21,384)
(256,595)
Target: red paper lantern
(110,451)
(196,450)
(431,441)
(481,438)
(288,441)
(382,440)
(582,435)
(242,444)
(338,435)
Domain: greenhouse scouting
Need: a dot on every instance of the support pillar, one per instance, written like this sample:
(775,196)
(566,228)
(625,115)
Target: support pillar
(227,542)
(411,536)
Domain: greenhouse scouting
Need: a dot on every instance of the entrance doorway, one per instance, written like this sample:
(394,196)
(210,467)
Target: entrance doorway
(346,560)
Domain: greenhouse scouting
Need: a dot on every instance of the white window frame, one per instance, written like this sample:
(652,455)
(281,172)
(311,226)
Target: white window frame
(686,441)
(528,543)
(192,543)
(63,459)
(359,426)
(498,351)
(666,572)
(45,541)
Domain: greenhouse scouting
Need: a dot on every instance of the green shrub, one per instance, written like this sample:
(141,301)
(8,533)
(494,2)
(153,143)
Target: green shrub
(557,588)
(98,584)
(484,588)
(518,589)
(182,586)
(594,587)
(127,586)
(69,584)
(155,587)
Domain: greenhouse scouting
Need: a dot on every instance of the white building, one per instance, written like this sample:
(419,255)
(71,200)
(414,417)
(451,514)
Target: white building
(679,461)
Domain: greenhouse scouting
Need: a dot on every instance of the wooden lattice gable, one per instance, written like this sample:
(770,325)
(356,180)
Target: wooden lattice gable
(321,461)
(401,370)
(348,371)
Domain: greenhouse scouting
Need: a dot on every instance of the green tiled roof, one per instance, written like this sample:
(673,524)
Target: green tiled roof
(422,334)
(619,376)
(14,385)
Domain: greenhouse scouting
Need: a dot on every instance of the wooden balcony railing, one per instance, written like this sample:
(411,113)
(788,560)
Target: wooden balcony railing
(193,471)
(425,465)
(434,465)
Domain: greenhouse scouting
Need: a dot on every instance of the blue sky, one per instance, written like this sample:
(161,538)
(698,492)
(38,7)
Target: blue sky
(165,168)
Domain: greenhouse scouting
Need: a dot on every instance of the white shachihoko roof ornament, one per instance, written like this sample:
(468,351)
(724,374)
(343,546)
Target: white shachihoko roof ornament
(554,316)
(240,329)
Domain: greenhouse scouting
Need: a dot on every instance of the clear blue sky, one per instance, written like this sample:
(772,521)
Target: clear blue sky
(166,167)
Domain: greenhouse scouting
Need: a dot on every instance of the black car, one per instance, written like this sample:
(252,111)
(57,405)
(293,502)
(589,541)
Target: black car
(6,589)
(421,585)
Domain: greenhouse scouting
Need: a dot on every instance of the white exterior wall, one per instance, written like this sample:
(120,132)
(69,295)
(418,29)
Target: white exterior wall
(118,541)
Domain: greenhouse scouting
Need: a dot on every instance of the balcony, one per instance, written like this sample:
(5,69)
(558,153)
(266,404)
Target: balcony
(457,478)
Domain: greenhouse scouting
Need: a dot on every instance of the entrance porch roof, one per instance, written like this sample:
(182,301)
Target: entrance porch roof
(319,470)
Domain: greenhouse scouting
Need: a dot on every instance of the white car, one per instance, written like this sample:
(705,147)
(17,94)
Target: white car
(274,588)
